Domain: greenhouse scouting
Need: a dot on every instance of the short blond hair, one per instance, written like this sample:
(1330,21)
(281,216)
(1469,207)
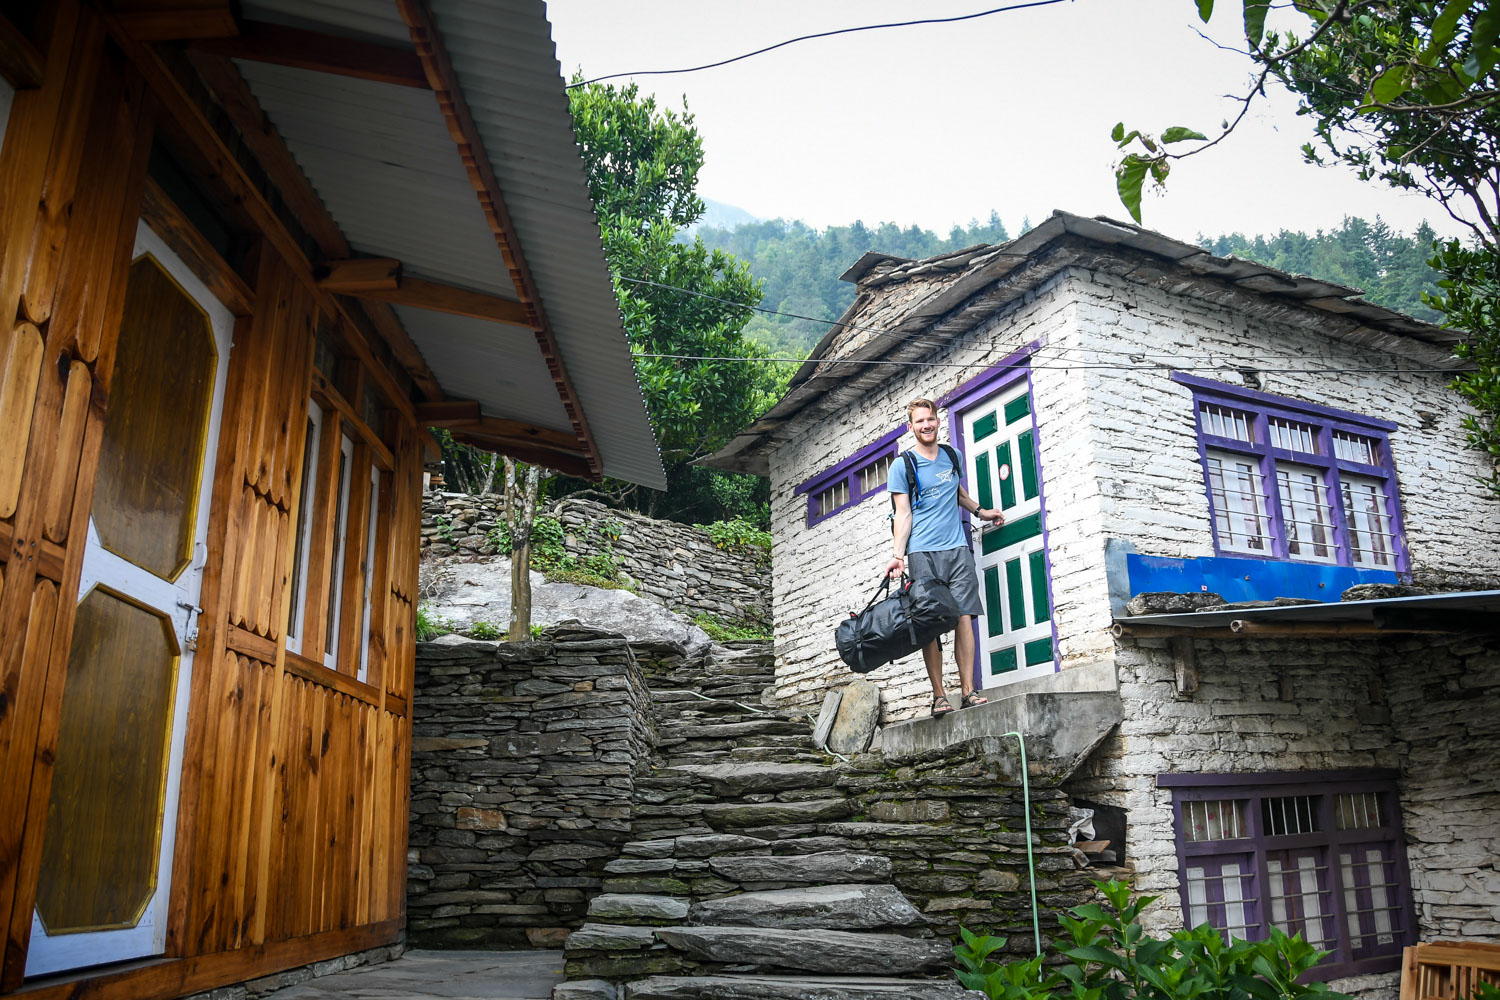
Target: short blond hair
(919,403)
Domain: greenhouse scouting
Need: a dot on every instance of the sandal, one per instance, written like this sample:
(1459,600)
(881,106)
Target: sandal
(974,698)
(941,706)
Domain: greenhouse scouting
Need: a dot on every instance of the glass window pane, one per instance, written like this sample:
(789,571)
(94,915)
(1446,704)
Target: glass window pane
(1306,512)
(1367,512)
(336,566)
(1237,493)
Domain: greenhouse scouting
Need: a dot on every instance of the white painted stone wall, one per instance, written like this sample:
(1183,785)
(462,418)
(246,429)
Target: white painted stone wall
(1430,708)
(1118,458)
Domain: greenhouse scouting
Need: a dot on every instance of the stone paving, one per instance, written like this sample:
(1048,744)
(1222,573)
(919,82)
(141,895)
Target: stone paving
(440,975)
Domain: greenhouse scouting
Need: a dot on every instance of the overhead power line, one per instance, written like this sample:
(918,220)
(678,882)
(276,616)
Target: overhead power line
(822,34)
(1228,366)
(1264,361)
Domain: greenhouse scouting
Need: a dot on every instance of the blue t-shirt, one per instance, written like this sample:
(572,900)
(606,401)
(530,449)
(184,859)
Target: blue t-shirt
(935,521)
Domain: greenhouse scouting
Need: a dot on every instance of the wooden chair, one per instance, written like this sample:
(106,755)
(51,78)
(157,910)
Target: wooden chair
(1448,970)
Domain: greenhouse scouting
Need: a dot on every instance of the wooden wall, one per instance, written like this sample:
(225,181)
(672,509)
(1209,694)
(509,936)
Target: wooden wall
(292,822)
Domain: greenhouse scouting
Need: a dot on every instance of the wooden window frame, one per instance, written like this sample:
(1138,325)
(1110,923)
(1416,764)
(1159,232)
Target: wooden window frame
(1260,408)
(847,473)
(1257,847)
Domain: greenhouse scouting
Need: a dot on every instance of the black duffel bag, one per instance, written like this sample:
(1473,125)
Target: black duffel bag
(892,626)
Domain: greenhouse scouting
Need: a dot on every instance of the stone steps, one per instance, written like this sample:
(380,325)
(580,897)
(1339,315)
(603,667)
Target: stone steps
(743,987)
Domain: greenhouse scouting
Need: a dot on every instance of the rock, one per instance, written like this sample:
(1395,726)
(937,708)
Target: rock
(844,952)
(826,715)
(649,848)
(1166,603)
(705,844)
(629,906)
(760,776)
(585,989)
(610,937)
(640,866)
(1275,602)
(547,937)
(793,988)
(851,907)
(858,714)
(465,593)
(829,866)
(736,814)
(1381,592)
(909,811)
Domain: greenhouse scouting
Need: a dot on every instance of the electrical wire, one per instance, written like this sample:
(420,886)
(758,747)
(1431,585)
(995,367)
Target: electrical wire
(821,34)
(1226,367)
(1271,359)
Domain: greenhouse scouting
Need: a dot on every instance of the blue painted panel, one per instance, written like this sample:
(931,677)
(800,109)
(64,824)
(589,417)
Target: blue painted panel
(1247,579)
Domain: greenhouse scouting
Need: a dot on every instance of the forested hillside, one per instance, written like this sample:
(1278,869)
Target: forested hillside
(800,266)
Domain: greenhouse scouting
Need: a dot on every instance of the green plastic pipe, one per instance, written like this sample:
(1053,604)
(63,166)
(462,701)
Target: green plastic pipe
(1036,916)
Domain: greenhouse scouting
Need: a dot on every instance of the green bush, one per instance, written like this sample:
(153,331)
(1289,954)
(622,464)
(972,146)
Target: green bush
(429,625)
(744,630)
(737,535)
(485,630)
(1108,956)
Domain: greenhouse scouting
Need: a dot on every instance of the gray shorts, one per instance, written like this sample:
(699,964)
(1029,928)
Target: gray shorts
(955,567)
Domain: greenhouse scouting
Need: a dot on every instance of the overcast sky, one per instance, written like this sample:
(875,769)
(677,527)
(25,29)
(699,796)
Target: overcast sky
(938,124)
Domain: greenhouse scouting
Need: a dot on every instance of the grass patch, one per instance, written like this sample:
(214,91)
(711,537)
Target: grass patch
(743,630)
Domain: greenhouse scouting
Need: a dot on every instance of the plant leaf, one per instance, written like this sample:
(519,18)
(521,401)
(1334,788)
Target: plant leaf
(1181,133)
(1129,177)
(1205,10)
(1389,85)
(1255,21)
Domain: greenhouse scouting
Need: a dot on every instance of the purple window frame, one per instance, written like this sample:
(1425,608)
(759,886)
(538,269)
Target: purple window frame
(1259,406)
(1324,785)
(848,470)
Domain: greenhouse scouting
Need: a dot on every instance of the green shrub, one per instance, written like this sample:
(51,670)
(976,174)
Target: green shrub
(1107,955)
(429,625)
(737,535)
(485,630)
(743,630)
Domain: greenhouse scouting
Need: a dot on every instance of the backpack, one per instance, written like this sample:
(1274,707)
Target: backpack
(911,476)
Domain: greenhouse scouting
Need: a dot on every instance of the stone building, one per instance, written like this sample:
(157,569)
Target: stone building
(1154,420)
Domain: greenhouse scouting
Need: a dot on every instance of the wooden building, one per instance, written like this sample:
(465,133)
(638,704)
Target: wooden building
(249,252)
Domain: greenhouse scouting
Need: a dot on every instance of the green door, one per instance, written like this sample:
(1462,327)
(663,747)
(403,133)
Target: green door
(1015,633)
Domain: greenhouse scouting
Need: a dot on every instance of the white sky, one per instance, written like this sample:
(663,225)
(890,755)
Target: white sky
(938,124)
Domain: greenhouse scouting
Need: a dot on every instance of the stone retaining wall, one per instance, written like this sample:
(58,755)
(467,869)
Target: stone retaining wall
(676,565)
(524,757)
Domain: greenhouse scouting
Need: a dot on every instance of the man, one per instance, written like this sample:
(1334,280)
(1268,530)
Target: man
(930,542)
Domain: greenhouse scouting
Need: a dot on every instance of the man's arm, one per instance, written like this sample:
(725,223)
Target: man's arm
(902,533)
(968,503)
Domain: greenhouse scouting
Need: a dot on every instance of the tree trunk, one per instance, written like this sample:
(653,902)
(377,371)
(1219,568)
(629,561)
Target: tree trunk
(520,594)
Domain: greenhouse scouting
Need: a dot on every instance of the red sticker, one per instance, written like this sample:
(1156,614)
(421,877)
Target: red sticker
(1004,472)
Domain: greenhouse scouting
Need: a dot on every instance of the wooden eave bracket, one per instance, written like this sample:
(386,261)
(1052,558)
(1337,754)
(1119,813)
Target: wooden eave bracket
(382,279)
(21,62)
(299,48)
(463,416)
(1185,666)
(175,20)
(443,79)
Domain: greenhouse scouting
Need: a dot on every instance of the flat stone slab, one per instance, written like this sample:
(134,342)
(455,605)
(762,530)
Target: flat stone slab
(585,989)
(640,866)
(703,845)
(649,848)
(635,906)
(729,730)
(835,867)
(743,814)
(610,937)
(421,974)
(851,907)
(811,951)
(795,988)
(761,776)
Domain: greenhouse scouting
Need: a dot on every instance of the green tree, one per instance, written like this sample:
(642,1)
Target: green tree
(1405,92)
(642,162)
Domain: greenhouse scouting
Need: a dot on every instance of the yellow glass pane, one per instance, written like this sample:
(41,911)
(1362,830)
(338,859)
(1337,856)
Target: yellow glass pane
(155,430)
(99,857)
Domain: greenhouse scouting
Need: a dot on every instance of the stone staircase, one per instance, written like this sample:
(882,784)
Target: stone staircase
(738,885)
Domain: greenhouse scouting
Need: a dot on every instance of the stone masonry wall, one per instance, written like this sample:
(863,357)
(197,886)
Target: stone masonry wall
(1118,458)
(676,565)
(524,758)
(1430,709)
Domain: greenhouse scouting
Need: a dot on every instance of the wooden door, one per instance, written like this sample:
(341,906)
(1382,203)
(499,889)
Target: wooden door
(1015,632)
(111,818)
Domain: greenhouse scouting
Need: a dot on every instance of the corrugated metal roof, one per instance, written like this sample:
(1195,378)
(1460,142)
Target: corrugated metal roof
(385,165)
(1482,605)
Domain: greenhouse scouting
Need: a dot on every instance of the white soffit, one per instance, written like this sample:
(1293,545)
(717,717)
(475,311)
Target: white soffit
(381,158)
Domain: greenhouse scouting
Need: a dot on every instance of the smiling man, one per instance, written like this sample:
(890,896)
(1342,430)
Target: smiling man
(931,542)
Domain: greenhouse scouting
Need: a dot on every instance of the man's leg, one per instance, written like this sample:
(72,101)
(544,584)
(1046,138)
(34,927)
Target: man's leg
(932,658)
(963,653)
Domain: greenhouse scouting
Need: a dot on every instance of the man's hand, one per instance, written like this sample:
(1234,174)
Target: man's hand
(990,514)
(895,567)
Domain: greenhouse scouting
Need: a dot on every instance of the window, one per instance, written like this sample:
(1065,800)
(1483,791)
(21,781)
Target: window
(855,479)
(1292,480)
(340,538)
(298,601)
(1311,853)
